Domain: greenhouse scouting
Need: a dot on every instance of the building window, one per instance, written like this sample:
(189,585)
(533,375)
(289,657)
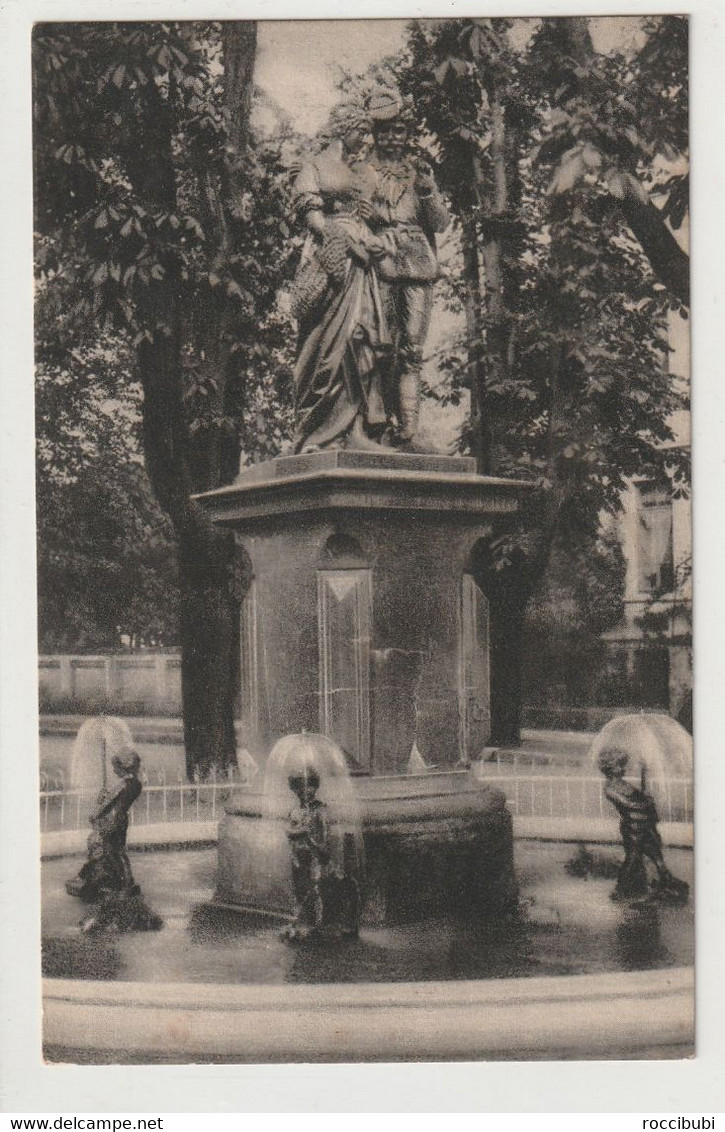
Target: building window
(656,572)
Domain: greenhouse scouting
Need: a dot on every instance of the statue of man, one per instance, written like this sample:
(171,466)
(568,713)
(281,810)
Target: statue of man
(408,209)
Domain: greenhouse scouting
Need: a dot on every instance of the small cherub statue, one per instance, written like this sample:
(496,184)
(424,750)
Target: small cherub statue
(640,837)
(106,879)
(308,836)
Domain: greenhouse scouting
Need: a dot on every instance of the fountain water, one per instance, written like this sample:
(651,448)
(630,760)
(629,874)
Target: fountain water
(307,796)
(652,750)
(300,756)
(98,742)
(658,748)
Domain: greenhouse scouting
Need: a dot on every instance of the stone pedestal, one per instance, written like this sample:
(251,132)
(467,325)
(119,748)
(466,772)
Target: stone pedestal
(363,622)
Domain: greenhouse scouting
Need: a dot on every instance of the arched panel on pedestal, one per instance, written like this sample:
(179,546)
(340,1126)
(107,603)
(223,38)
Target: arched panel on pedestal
(249,658)
(474,685)
(344,618)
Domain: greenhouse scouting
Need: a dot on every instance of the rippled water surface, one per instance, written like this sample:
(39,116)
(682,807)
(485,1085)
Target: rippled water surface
(567,926)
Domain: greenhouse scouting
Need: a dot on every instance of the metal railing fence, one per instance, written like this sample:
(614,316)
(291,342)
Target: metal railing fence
(163,801)
(570,796)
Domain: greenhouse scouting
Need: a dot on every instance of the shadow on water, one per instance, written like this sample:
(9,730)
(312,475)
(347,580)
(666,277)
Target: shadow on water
(639,940)
(213,925)
(444,951)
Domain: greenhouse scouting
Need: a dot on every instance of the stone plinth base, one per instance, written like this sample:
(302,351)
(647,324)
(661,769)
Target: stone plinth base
(435,844)
(363,620)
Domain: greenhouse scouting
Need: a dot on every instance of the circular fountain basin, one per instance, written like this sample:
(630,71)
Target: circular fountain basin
(432,841)
(124,998)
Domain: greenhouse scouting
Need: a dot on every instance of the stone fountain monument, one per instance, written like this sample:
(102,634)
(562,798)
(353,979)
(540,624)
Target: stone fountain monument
(363,622)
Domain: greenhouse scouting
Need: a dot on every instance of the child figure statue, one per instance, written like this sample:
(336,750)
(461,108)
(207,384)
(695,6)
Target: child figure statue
(106,879)
(640,837)
(326,898)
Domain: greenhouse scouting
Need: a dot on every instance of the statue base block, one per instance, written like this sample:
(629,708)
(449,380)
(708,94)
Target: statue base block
(437,844)
(365,622)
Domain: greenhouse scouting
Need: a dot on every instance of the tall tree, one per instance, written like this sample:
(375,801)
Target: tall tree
(152,205)
(461,78)
(106,553)
(622,119)
(572,377)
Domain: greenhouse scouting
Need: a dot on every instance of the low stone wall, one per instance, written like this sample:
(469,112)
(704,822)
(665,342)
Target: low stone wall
(144,681)
(147,683)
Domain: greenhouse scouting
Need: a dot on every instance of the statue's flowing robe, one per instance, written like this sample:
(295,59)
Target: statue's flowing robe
(344,336)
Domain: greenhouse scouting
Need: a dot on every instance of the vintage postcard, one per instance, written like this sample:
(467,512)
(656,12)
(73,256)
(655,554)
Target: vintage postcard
(364,557)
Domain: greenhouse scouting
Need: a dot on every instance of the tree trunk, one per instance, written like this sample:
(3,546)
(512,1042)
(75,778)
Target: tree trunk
(507,626)
(213,575)
(509,591)
(493,257)
(489,231)
(668,261)
(473,308)
(208,654)
(209,620)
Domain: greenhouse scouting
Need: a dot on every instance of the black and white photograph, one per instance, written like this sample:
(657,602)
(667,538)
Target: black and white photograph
(364,554)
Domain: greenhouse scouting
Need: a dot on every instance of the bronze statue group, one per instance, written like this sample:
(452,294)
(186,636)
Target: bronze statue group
(325,886)
(363,293)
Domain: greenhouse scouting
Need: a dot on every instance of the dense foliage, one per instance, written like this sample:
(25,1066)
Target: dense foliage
(570,275)
(152,208)
(163,239)
(585,398)
(106,553)
(161,223)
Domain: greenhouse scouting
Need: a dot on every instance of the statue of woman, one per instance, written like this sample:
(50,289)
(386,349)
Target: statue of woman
(343,333)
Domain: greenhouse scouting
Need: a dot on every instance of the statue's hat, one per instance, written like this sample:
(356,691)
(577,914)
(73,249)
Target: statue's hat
(384,104)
